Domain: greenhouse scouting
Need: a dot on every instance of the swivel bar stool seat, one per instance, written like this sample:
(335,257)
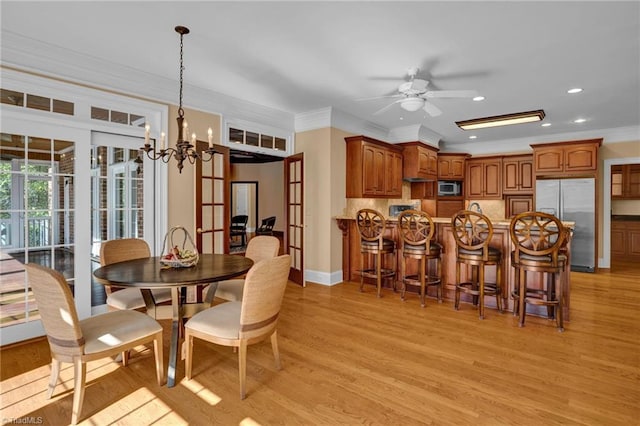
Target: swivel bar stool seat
(416,230)
(538,238)
(373,247)
(473,232)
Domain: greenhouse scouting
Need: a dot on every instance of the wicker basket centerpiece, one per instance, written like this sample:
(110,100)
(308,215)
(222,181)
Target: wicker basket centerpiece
(178,249)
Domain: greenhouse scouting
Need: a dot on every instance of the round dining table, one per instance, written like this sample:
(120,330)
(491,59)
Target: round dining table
(148,273)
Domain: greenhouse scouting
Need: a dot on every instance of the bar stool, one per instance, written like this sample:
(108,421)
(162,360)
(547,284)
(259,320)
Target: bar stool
(371,226)
(473,232)
(537,238)
(416,230)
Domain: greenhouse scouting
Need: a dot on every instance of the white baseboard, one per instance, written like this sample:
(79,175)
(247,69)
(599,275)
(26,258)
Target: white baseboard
(324,278)
(603,263)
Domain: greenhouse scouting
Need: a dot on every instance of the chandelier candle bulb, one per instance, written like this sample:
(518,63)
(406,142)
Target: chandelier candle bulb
(210,137)
(146,134)
(185,130)
(193,138)
(162,141)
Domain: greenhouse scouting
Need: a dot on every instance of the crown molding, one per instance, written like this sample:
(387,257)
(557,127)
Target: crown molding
(333,117)
(414,133)
(55,62)
(612,135)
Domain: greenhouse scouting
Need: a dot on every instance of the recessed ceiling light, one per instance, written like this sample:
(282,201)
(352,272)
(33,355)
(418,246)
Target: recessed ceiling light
(580,120)
(546,125)
(472,137)
(574,90)
(478,98)
(401,118)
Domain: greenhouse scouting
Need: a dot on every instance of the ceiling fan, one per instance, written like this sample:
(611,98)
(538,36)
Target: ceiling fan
(413,95)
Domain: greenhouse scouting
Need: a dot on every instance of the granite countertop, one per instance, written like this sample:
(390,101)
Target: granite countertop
(447,220)
(625,218)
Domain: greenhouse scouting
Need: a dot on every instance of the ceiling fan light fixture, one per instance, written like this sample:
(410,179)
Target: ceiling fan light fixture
(412,104)
(501,120)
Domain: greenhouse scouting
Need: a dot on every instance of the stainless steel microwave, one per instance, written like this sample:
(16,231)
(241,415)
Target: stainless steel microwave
(449,187)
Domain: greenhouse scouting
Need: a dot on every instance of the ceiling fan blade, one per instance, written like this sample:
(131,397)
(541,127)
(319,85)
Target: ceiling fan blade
(380,111)
(431,109)
(378,97)
(451,94)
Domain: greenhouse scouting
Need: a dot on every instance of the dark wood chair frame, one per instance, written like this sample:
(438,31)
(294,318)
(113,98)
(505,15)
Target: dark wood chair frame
(473,232)
(266,227)
(416,230)
(538,239)
(239,228)
(371,226)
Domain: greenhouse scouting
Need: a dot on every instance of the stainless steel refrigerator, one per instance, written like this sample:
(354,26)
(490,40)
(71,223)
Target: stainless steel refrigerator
(573,200)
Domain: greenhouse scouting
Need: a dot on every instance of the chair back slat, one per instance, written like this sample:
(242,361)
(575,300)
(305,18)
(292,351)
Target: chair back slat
(57,310)
(416,228)
(371,225)
(262,296)
(537,234)
(472,231)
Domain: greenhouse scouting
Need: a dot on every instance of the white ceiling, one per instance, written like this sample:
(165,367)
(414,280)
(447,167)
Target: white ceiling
(298,57)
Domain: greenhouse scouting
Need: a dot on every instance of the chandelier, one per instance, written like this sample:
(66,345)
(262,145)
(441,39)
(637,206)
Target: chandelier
(184,149)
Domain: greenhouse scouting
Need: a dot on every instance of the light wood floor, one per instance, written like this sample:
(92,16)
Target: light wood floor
(350,358)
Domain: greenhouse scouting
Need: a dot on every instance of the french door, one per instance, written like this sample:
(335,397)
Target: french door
(294,213)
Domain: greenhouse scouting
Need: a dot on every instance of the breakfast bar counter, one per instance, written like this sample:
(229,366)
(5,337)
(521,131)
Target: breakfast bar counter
(351,260)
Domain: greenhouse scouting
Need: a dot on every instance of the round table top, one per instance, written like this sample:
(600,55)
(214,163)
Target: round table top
(150,273)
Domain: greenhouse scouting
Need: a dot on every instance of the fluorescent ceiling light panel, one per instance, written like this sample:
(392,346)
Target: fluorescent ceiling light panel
(501,120)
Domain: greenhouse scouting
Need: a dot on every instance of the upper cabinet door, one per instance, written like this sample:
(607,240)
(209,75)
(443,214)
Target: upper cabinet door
(576,158)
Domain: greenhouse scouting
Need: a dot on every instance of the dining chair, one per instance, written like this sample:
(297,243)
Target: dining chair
(242,323)
(80,341)
(259,248)
(473,232)
(119,250)
(266,226)
(374,247)
(538,239)
(239,228)
(416,232)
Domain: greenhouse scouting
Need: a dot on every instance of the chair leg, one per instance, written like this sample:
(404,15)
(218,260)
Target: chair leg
(274,347)
(188,354)
(379,273)
(159,356)
(125,358)
(53,380)
(559,306)
(423,280)
(242,366)
(522,309)
(403,268)
(551,283)
(80,373)
(362,258)
(456,305)
(499,287)
(440,287)
(516,293)
(481,290)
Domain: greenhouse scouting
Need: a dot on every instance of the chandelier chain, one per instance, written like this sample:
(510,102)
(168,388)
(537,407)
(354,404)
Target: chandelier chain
(180,110)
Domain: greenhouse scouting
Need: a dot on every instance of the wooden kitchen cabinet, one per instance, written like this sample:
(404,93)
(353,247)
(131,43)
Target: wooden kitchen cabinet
(566,158)
(625,240)
(451,166)
(516,204)
(517,174)
(420,161)
(625,181)
(483,178)
(424,190)
(374,169)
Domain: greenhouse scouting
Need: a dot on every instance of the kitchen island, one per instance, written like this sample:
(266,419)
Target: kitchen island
(351,260)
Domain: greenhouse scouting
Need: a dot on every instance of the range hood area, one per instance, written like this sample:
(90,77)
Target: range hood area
(420,162)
